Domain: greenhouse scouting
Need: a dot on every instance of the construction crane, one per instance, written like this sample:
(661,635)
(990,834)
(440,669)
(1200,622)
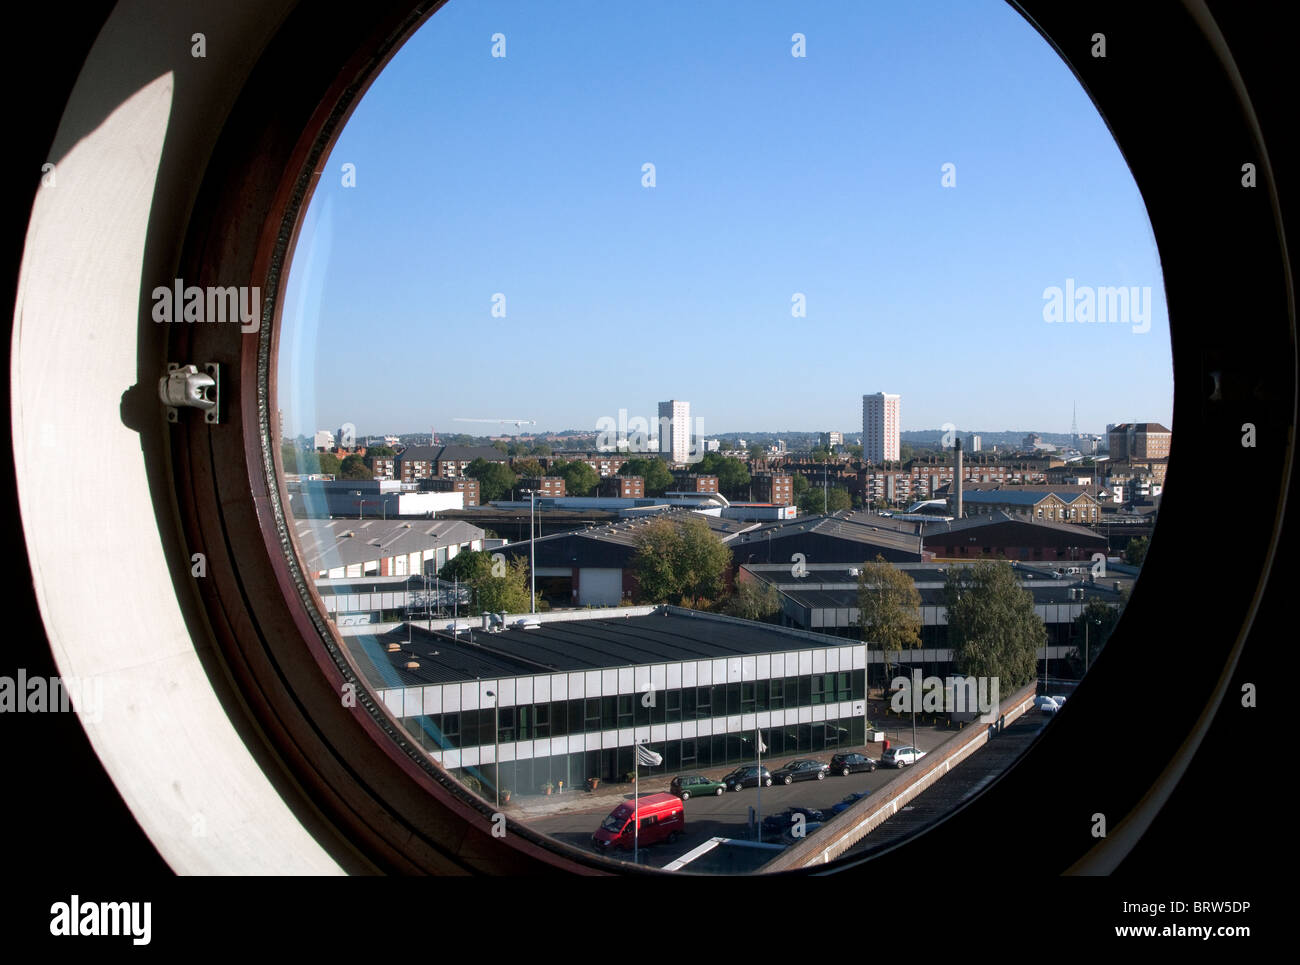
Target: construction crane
(517,423)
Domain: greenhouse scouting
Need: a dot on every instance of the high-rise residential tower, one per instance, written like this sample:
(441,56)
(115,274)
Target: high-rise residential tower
(675,430)
(880,415)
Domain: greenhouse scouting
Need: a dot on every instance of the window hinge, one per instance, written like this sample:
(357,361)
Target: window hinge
(186,386)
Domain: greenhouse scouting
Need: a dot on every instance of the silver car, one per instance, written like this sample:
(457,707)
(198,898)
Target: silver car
(901,756)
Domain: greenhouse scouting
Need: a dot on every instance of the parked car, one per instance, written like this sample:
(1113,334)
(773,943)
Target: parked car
(662,819)
(747,777)
(788,836)
(1046,705)
(901,756)
(847,764)
(848,802)
(801,770)
(774,825)
(686,785)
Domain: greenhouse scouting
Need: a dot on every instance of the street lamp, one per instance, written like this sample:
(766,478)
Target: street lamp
(532,552)
(496,744)
(1086,624)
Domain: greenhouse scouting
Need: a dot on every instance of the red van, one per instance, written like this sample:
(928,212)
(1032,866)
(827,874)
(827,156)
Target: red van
(662,819)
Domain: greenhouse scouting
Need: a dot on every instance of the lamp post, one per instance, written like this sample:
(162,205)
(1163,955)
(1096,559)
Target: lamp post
(532,552)
(496,744)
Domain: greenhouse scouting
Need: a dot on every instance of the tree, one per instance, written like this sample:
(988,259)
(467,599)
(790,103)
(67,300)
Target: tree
(679,559)
(756,451)
(490,593)
(704,561)
(527,467)
(504,594)
(377,452)
(1136,551)
(579,478)
(658,479)
(992,627)
(814,501)
(889,608)
(328,463)
(800,485)
(354,467)
(753,601)
(1092,628)
(495,479)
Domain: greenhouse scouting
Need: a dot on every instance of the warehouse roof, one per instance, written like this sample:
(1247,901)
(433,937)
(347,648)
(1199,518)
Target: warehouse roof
(330,543)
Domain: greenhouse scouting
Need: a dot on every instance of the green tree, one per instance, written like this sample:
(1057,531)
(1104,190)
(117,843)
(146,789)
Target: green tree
(495,480)
(756,451)
(378,452)
(354,467)
(1092,628)
(678,560)
(328,463)
(992,627)
(704,561)
(753,601)
(658,480)
(490,593)
(800,485)
(466,566)
(889,608)
(814,501)
(579,478)
(1136,551)
(527,467)
(504,594)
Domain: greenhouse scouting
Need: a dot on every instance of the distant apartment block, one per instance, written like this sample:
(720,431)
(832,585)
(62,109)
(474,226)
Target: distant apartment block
(973,443)
(692,483)
(545,486)
(622,487)
(1139,441)
(829,439)
(465,484)
(675,430)
(774,487)
(446,462)
(880,427)
(323,441)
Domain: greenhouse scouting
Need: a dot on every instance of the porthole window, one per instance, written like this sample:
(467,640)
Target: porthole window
(464,325)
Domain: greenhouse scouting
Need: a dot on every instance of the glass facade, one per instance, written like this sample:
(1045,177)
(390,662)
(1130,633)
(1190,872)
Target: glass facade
(683,712)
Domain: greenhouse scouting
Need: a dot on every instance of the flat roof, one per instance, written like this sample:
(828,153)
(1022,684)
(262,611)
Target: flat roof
(565,646)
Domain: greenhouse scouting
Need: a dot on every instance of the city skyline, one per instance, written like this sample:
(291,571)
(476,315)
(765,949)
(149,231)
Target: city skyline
(926,200)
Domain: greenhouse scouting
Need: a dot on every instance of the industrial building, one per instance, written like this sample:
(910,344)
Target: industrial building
(342,548)
(564,697)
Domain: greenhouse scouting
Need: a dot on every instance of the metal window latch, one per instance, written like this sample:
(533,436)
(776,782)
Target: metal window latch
(186,386)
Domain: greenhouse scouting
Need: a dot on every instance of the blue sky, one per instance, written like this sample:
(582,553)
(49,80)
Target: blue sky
(775,175)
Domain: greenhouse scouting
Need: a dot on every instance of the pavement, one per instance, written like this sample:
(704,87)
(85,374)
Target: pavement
(607,796)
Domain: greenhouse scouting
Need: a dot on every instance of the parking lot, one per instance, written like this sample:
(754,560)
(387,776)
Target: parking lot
(572,821)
